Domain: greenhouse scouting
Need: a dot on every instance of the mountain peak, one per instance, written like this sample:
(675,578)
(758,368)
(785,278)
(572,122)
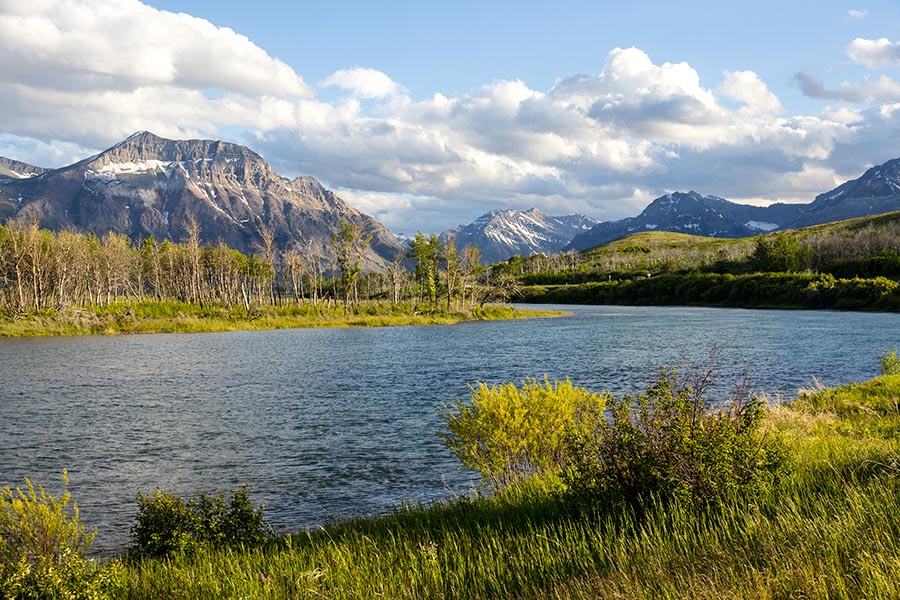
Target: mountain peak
(144,145)
(503,233)
(149,185)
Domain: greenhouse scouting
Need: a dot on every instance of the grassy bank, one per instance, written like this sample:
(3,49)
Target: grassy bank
(753,290)
(830,529)
(180,317)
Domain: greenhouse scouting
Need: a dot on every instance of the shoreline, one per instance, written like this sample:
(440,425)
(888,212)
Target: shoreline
(129,318)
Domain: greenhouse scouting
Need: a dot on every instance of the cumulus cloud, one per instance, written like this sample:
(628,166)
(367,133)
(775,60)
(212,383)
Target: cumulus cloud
(364,83)
(104,68)
(747,87)
(874,53)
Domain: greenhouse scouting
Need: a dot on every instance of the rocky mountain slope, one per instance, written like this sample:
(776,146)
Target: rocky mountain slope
(14,169)
(501,234)
(148,185)
(875,192)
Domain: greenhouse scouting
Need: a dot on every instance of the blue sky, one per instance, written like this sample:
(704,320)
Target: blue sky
(428,114)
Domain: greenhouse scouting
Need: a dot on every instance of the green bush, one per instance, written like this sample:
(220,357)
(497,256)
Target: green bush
(509,432)
(167,524)
(668,442)
(43,547)
(890,364)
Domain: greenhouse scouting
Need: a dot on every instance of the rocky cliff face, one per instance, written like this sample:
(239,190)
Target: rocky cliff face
(148,185)
(501,234)
(14,169)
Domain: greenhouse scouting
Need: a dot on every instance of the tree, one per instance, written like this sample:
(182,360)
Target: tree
(192,227)
(396,272)
(350,243)
(451,258)
(469,269)
(426,251)
(269,255)
(779,253)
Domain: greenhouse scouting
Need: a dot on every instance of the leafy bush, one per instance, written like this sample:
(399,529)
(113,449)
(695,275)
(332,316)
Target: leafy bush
(890,364)
(168,524)
(510,432)
(43,547)
(778,253)
(668,442)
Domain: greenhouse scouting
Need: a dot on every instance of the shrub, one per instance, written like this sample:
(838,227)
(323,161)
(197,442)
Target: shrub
(167,524)
(510,432)
(667,442)
(43,547)
(890,364)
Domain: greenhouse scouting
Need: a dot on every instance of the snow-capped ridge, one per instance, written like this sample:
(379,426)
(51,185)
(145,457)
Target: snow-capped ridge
(500,234)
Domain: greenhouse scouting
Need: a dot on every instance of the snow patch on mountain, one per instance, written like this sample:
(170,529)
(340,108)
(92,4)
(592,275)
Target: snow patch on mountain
(762,225)
(138,167)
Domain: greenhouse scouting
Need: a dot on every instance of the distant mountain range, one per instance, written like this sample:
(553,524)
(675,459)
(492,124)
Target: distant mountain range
(501,234)
(876,192)
(148,185)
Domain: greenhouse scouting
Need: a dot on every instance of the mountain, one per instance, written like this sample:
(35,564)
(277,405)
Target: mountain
(875,192)
(501,234)
(148,185)
(14,169)
(689,212)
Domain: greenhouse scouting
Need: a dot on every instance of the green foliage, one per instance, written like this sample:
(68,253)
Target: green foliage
(778,253)
(167,524)
(669,443)
(890,364)
(43,547)
(426,251)
(756,290)
(509,432)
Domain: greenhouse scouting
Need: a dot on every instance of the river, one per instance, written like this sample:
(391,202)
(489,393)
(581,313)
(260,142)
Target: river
(328,423)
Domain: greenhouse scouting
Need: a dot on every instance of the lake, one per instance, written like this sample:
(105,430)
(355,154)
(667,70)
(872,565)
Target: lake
(325,423)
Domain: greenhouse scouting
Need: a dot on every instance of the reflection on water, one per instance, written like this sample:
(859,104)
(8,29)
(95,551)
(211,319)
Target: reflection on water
(323,423)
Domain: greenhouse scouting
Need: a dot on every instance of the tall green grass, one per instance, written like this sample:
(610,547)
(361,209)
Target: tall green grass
(831,529)
(180,317)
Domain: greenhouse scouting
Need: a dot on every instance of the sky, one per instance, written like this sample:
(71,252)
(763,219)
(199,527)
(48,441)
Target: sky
(427,115)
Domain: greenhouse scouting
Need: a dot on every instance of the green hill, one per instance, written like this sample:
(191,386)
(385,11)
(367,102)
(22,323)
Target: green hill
(657,267)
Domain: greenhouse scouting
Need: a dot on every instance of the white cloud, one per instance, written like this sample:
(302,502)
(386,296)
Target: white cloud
(747,87)
(874,53)
(857,14)
(93,71)
(364,83)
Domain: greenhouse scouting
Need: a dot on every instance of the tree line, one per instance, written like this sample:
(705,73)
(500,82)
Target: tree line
(46,270)
(868,248)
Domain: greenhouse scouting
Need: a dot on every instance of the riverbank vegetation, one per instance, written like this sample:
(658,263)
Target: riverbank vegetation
(849,265)
(182,317)
(675,496)
(64,283)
